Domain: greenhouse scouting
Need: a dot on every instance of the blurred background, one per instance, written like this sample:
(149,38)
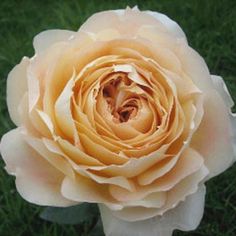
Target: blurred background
(210,26)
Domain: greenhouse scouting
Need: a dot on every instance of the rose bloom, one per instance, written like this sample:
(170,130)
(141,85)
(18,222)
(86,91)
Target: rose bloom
(123,113)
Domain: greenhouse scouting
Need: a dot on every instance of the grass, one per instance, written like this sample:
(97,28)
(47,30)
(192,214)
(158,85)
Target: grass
(210,26)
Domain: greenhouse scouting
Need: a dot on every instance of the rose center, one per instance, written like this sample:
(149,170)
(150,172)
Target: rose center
(122,103)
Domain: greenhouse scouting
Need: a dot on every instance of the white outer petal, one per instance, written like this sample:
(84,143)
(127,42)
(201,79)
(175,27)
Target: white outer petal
(37,181)
(116,227)
(222,90)
(186,216)
(45,39)
(214,137)
(123,19)
(233,122)
(170,25)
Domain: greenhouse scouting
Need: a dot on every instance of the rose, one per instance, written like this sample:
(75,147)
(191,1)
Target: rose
(122,113)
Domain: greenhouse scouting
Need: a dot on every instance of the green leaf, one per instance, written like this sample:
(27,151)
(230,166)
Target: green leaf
(97,229)
(70,215)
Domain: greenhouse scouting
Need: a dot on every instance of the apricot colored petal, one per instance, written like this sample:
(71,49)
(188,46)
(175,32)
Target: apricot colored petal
(139,165)
(132,73)
(63,111)
(118,180)
(45,118)
(76,154)
(101,153)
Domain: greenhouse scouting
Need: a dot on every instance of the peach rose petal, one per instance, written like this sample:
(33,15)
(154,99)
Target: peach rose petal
(56,80)
(123,113)
(47,38)
(186,216)
(185,87)
(132,74)
(154,200)
(215,126)
(184,188)
(164,57)
(162,39)
(157,171)
(123,130)
(140,165)
(99,152)
(82,170)
(189,162)
(233,122)
(133,18)
(114,147)
(55,160)
(222,90)
(85,190)
(191,62)
(36,121)
(113,226)
(36,180)
(76,154)
(195,67)
(170,25)
(45,118)
(63,111)
(37,128)
(179,193)
(118,180)
(33,89)
(16,88)
(106,35)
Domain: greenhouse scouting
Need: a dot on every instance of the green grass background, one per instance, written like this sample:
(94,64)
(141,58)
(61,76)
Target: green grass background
(210,26)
